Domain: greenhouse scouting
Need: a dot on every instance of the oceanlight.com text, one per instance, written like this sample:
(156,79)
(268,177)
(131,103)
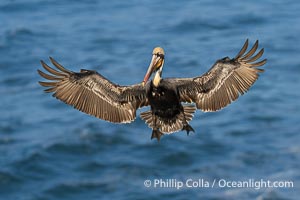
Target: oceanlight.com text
(220,183)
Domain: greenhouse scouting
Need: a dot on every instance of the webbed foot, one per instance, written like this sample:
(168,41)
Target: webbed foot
(156,134)
(188,128)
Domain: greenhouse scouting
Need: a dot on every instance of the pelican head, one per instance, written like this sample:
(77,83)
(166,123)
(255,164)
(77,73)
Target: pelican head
(156,65)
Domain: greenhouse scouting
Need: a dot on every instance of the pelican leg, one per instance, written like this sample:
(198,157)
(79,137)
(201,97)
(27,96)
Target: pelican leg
(187,127)
(156,133)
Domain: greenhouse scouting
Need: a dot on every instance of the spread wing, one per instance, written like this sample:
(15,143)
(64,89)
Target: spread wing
(90,92)
(224,82)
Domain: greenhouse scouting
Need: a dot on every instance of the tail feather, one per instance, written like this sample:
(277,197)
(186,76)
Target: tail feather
(189,112)
(169,126)
(147,117)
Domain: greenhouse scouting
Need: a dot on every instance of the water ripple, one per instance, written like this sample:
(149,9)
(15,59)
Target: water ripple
(198,26)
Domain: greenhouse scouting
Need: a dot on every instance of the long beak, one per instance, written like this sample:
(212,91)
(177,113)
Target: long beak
(151,68)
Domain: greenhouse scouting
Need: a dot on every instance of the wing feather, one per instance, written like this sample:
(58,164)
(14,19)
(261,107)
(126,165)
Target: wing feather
(93,94)
(243,50)
(224,82)
(252,51)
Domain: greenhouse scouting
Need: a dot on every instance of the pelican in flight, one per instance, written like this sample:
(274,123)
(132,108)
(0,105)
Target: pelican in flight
(172,101)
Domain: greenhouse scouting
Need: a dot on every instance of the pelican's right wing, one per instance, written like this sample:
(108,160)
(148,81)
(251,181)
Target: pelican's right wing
(90,92)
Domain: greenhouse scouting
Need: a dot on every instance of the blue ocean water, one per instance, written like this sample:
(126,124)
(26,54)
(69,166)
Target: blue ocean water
(50,151)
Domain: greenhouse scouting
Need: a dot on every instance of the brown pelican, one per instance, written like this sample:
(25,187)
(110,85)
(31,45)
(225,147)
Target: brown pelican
(90,92)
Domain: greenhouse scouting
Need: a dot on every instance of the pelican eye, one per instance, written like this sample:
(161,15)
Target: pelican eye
(160,55)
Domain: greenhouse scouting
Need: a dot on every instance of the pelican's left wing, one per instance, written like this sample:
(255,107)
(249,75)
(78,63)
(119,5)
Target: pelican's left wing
(224,82)
(90,92)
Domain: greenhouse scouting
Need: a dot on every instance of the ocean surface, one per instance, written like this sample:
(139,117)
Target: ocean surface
(48,150)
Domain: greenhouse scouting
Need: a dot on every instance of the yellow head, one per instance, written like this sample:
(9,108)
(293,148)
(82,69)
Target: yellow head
(156,64)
